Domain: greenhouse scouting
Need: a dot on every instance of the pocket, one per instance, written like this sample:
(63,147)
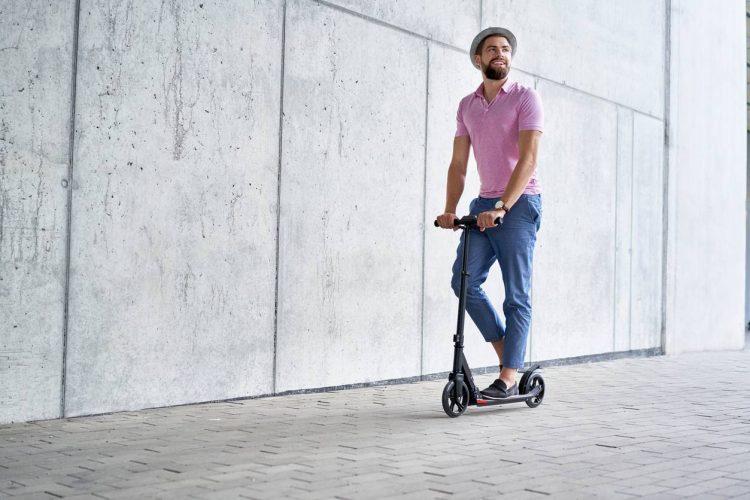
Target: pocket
(473,207)
(534,203)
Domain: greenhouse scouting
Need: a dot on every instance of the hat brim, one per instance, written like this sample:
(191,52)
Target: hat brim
(493,31)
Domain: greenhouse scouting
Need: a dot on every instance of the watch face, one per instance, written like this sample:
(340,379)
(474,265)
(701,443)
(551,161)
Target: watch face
(499,204)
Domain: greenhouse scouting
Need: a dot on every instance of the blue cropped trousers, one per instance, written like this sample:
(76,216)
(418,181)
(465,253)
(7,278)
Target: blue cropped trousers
(512,246)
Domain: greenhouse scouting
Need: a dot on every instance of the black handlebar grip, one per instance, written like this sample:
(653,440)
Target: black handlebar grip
(456,222)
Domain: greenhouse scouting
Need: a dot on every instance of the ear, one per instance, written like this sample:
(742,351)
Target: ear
(477,60)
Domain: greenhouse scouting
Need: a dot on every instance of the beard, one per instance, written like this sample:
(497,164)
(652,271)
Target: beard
(495,74)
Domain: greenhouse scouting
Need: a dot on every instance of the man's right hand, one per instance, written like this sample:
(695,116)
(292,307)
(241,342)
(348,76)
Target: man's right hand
(446,221)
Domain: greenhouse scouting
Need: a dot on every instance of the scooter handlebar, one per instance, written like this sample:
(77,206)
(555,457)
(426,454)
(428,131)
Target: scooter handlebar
(455,222)
(468,220)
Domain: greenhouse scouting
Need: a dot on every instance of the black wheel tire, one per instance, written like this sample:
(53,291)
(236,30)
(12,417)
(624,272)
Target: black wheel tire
(455,406)
(522,385)
(535,380)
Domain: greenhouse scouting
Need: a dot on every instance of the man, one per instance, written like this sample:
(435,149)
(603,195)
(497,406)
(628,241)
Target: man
(503,122)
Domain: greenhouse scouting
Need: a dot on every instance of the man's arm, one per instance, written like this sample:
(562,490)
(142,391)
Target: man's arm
(528,147)
(456,180)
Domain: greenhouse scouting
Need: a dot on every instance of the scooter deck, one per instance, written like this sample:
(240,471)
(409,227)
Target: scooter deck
(511,399)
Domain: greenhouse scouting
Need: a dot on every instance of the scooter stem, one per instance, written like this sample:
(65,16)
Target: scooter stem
(459,339)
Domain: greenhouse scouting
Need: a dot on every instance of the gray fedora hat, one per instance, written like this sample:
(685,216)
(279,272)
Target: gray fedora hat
(492,31)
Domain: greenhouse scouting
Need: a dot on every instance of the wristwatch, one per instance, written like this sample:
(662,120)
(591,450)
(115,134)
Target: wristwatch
(500,205)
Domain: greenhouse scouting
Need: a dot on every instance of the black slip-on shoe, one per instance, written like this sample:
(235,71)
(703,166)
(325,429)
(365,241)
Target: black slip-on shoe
(498,390)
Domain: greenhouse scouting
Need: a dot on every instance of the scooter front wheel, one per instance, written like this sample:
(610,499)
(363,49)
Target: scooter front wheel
(455,401)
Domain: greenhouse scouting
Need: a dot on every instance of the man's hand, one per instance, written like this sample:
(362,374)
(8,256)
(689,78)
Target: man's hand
(446,221)
(486,220)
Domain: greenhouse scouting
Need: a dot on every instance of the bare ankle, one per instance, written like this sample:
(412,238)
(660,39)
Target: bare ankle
(508,376)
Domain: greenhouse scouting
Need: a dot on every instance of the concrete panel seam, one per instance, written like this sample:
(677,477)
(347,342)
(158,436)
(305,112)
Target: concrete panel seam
(593,96)
(666,179)
(278,198)
(425,226)
(482,370)
(69,214)
(383,23)
(463,50)
(530,341)
(617,201)
(632,216)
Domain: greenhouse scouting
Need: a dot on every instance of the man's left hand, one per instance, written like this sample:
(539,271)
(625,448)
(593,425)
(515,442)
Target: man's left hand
(486,220)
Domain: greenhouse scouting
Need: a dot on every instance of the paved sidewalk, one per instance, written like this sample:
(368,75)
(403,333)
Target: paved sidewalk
(663,427)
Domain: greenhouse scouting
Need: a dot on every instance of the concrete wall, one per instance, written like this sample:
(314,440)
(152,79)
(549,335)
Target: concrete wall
(173,252)
(747,138)
(599,48)
(707,178)
(254,185)
(352,161)
(36,46)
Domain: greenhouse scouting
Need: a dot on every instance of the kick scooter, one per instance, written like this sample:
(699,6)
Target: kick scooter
(461,391)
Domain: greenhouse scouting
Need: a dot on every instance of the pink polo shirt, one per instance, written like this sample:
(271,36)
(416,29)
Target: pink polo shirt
(493,129)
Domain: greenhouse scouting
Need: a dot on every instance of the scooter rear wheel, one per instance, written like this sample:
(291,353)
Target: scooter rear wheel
(454,403)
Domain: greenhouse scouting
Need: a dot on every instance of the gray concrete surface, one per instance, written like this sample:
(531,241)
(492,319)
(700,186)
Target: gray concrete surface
(352,189)
(446,21)
(747,151)
(173,243)
(602,50)
(586,266)
(199,126)
(695,239)
(661,427)
(36,55)
(647,228)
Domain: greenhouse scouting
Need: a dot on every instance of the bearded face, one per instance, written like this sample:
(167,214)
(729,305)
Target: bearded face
(495,69)
(495,57)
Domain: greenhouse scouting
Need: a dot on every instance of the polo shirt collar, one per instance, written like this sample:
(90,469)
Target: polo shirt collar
(505,88)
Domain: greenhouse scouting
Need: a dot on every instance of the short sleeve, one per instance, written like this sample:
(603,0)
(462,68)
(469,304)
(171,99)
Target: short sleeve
(530,111)
(461,129)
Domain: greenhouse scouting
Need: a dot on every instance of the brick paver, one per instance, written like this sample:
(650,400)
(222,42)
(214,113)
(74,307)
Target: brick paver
(662,427)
